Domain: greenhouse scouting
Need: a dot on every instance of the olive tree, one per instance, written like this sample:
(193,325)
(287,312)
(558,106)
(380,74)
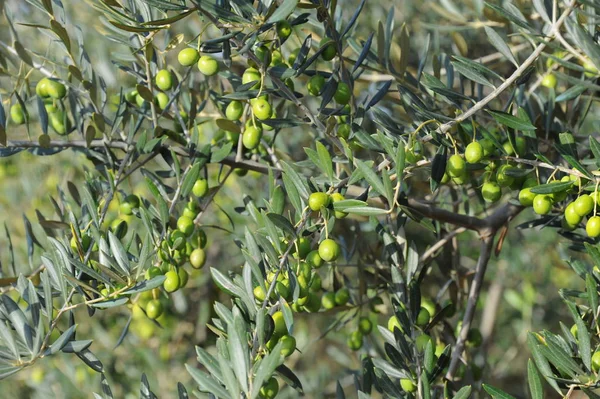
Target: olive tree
(366,142)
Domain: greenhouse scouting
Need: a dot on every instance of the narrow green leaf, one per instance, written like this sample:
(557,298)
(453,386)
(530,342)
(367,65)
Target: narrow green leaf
(371,178)
(496,393)
(283,223)
(207,383)
(325,159)
(284,10)
(535,383)
(511,121)
(463,393)
(556,187)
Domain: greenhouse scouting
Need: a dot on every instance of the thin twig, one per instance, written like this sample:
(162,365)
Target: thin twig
(508,82)
(484,256)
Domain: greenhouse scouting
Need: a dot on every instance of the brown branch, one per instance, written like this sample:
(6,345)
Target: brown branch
(121,145)
(484,256)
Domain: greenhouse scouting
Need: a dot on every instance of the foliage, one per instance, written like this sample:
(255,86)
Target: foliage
(392,141)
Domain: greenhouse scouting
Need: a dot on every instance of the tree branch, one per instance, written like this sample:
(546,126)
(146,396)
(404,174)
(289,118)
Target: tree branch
(484,256)
(511,79)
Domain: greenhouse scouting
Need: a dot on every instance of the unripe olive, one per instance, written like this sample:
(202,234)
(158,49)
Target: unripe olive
(198,258)
(314,260)
(592,227)
(261,109)
(474,152)
(251,137)
(55,89)
(328,300)
(251,75)
(284,30)
(342,296)
(456,166)
(17,115)
(41,89)
(584,204)
(542,204)
(188,56)
(355,340)
(342,93)
(549,81)
(186,225)
(154,309)
(164,80)
(200,188)
(329,51)
(329,250)
(315,85)
(208,66)
(171,283)
(318,200)
(491,192)
(234,110)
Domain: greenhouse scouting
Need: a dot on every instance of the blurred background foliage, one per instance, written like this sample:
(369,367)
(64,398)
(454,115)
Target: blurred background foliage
(521,285)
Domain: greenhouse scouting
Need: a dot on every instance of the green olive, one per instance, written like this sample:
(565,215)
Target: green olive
(188,57)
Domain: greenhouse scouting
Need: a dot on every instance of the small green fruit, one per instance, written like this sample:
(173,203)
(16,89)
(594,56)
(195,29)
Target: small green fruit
(318,200)
(251,75)
(342,296)
(407,385)
(55,89)
(259,293)
(365,325)
(393,323)
(335,197)
(251,137)
(423,317)
(200,188)
(188,57)
(474,152)
(549,81)
(328,300)
(198,258)
(584,204)
(315,85)
(17,115)
(186,225)
(234,110)
(208,66)
(314,260)
(164,80)
(355,340)
(456,166)
(592,227)
(154,309)
(329,52)
(270,389)
(41,89)
(571,217)
(284,30)
(491,192)
(329,250)
(171,283)
(162,100)
(596,361)
(280,328)
(342,93)
(542,204)
(288,345)
(261,108)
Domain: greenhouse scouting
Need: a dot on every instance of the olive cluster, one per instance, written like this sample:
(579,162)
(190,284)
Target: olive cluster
(52,92)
